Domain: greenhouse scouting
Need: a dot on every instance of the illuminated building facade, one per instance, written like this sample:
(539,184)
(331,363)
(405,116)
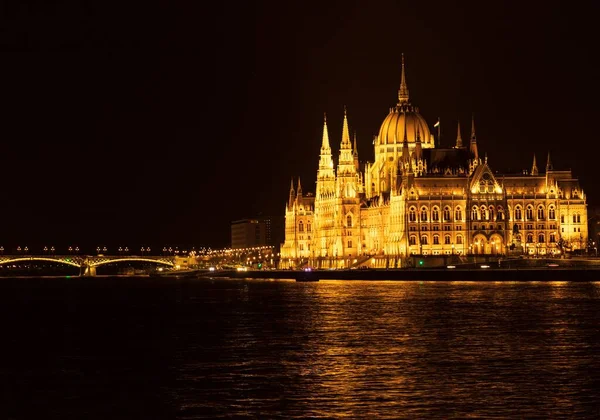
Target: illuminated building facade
(416,198)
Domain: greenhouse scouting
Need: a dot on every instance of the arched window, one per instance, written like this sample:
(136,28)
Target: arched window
(484,213)
(446,214)
(424,240)
(423,214)
(500,213)
(529,213)
(562,218)
(309,227)
(412,214)
(474,213)
(412,240)
(447,239)
(459,240)
(541,213)
(436,239)
(482,186)
(435,214)
(492,213)
(529,238)
(517,213)
(458,214)
(551,213)
(541,238)
(300,226)
(349,220)
(552,238)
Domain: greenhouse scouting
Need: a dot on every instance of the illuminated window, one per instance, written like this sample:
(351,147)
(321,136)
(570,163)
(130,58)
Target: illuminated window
(491,213)
(518,213)
(541,238)
(300,226)
(435,214)
(551,213)
(349,244)
(458,214)
(446,214)
(459,240)
(436,240)
(424,240)
(412,214)
(447,239)
(412,240)
(529,238)
(540,212)
(552,238)
(424,214)
(529,213)
(349,220)
(308,227)
(562,218)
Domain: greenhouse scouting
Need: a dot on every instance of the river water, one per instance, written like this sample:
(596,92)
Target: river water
(140,348)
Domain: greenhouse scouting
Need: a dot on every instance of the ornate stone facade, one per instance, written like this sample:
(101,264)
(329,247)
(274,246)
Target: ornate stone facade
(419,199)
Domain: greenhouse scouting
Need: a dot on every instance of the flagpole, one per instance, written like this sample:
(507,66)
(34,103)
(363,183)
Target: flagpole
(439,133)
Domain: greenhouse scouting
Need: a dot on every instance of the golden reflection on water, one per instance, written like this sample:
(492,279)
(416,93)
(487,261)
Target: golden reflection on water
(370,349)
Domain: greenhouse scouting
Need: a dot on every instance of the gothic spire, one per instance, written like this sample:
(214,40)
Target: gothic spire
(403,92)
(474,151)
(292,194)
(458,137)
(549,163)
(418,149)
(355,153)
(325,143)
(299,188)
(345,133)
(534,168)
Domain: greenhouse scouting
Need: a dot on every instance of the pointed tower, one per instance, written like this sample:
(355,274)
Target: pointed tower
(549,163)
(473,148)
(299,193)
(534,168)
(355,154)
(346,171)
(403,91)
(325,174)
(292,195)
(459,142)
(418,149)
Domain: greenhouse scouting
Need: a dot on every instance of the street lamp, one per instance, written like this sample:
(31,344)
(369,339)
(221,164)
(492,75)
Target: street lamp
(52,249)
(1,250)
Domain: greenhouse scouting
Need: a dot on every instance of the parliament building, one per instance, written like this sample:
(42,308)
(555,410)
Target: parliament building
(418,199)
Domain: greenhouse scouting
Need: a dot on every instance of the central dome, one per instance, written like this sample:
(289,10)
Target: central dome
(393,127)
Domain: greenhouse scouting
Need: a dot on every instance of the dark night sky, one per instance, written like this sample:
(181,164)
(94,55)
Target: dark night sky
(160,123)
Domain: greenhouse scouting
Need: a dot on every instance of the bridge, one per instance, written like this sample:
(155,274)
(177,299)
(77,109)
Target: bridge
(87,264)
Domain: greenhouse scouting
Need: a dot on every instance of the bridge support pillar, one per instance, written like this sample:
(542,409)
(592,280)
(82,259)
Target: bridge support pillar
(89,270)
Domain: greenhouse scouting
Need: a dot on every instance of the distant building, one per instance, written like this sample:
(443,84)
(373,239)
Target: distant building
(417,198)
(248,233)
